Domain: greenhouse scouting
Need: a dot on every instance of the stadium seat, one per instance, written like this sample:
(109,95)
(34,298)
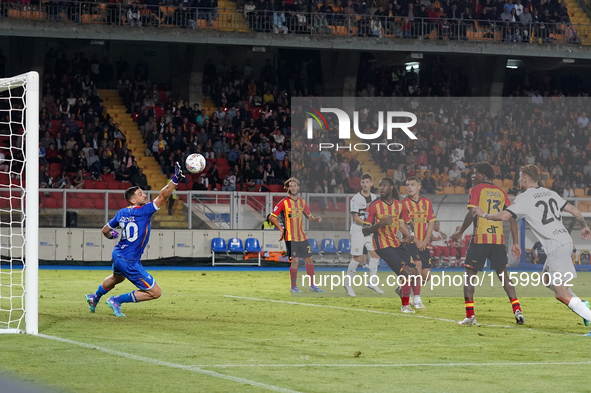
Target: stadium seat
(507,183)
(49,203)
(498,182)
(217,245)
(122,204)
(459,190)
(99,204)
(235,245)
(579,193)
(87,204)
(252,245)
(100,185)
(328,247)
(73,203)
(584,257)
(88,184)
(345,245)
(448,190)
(124,185)
(314,246)
(403,190)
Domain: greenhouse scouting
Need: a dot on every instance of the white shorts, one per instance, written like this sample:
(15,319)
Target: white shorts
(559,263)
(357,244)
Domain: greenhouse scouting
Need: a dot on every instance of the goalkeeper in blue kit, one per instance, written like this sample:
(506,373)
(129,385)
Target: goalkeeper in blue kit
(135,224)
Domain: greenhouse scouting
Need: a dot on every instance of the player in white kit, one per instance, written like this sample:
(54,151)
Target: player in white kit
(542,208)
(358,242)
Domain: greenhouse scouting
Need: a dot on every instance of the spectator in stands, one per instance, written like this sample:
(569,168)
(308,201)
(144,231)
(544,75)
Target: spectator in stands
(428,183)
(455,175)
(230,181)
(139,179)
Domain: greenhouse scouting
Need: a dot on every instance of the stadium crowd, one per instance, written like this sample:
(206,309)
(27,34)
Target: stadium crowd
(518,20)
(248,139)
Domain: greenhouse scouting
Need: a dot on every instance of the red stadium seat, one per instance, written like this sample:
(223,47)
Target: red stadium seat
(123,204)
(99,203)
(100,185)
(112,185)
(124,185)
(88,184)
(108,177)
(73,203)
(181,187)
(87,204)
(49,203)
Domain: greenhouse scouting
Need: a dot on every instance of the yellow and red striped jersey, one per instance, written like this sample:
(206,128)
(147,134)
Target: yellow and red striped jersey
(292,213)
(386,236)
(421,214)
(491,199)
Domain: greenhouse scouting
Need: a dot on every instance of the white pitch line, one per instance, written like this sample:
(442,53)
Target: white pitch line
(391,313)
(195,369)
(398,365)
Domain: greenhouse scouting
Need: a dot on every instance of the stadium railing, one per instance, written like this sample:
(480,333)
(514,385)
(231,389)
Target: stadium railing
(317,24)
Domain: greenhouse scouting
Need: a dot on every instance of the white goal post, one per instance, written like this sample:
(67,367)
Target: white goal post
(19,203)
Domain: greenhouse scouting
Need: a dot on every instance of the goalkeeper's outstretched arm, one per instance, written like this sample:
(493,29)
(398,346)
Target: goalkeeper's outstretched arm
(167,191)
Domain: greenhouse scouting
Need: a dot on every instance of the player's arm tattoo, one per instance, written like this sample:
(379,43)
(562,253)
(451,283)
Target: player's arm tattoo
(577,214)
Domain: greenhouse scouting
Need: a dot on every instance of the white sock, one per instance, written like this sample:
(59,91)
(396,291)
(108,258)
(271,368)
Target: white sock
(351,270)
(417,299)
(579,308)
(373,268)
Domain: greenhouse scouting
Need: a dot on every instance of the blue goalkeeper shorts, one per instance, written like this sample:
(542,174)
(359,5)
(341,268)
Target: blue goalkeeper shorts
(134,272)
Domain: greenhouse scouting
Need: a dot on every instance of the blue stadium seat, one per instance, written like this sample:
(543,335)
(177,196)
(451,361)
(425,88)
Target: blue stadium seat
(235,245)
(252,245)
(217,245)
(314,246)
(345,245)
(328,246)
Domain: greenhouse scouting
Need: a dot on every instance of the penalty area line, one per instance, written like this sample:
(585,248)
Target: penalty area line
(391,313)
(195,369)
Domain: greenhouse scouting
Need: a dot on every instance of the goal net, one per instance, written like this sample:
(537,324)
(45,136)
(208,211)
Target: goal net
(19,203)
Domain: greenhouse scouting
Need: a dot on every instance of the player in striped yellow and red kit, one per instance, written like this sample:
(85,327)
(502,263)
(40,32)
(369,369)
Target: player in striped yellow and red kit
(385,216)
(292,211)
(488,240)
(420,214)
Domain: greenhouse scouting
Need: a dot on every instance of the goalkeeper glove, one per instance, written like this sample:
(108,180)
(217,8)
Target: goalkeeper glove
(114,235)
(178,174)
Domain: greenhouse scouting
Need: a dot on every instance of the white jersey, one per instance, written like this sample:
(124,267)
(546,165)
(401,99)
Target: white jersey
(359,204)
(437,243)
(542,209)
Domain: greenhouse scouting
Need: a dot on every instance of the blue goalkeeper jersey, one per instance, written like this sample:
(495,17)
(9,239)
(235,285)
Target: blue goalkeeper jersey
(135,224)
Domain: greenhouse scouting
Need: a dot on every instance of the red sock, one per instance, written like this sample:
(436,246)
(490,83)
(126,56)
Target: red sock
(293,273)
(469,309)
(516,305)
(416,287)
(310,272)
(405,294)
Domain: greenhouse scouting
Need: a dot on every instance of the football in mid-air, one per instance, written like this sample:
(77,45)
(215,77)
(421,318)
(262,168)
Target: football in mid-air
(195,163)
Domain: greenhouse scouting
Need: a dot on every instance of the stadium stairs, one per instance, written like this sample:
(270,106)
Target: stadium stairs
(367,163)
(135,142)
(227,11)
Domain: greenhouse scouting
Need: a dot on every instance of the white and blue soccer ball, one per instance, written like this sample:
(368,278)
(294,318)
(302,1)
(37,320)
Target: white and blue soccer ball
(195,163)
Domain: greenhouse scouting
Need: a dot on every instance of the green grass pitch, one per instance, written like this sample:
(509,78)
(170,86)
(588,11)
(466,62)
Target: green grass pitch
(197,339)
